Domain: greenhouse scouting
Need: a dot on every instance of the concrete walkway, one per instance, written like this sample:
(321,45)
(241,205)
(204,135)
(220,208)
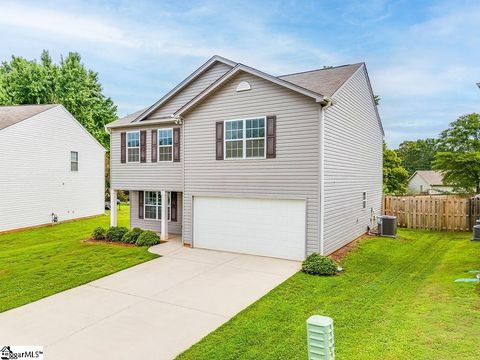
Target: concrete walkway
(154,310)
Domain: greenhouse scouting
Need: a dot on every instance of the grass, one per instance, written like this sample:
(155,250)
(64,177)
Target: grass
(396,300)
(40,262)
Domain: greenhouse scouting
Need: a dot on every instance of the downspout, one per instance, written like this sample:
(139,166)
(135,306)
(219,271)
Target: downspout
(326,104)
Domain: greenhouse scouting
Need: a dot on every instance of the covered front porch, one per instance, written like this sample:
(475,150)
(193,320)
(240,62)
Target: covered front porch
(149,207)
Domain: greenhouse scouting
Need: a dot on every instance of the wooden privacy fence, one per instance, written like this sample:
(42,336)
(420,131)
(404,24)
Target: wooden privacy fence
(433,212)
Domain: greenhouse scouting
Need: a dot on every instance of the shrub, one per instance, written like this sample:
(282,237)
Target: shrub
(316,264)
(115,233)
(147,238)
(132,236)
(99,233)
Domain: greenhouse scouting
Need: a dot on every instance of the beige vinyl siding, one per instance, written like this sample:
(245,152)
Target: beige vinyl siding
(353,163)
(190,91)
(292,174)
(162,175)
(174,227)
(35,175)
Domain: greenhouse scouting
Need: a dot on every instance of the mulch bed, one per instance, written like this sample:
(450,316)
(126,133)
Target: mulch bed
(339,254)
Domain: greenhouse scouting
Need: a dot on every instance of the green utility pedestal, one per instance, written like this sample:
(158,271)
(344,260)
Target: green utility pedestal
(320,338)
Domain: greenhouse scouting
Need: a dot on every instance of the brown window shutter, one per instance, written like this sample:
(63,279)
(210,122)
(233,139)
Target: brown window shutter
(176,144)
(154,146)
(173,210)
(271,136)
(219,140)
(140,204)
(143,146)
(123,147)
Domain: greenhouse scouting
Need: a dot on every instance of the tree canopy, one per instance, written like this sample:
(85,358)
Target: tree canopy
(68,83)
(418,154)
(394,174)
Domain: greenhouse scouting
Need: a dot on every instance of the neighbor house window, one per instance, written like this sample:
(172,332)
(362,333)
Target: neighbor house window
(153,205)
(165,144)
(364,200)
(73,161)
(245,138)
(133,146)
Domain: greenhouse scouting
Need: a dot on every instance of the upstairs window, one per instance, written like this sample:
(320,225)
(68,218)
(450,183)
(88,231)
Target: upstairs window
(153,205)
(165,144)
(73,161)
(133,146)
(245,139)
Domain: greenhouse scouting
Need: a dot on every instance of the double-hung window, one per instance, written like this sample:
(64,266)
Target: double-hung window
(364,200)
(245,139)
(165,144)
(73,161)
(153,205)
(133,146)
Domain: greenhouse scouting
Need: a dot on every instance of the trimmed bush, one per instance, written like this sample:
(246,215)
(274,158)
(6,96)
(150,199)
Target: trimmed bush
(132,236)
(316,264)
(147,238)
(115,233)
(99,233)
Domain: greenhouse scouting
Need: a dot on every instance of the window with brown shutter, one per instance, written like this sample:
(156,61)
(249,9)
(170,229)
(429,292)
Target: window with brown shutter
(173,202)
(123,147)
(271,136)
(176,144)
(140,204)
(143,146)
(154,146)
(219,140)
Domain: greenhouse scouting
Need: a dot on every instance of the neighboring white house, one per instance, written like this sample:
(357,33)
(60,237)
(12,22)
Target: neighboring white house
(49,164)
(428,182)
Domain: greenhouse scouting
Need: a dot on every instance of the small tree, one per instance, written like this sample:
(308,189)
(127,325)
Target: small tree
(394,175)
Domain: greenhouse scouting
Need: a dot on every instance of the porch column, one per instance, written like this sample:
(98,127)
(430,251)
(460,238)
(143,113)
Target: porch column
(164,226)
(113,207)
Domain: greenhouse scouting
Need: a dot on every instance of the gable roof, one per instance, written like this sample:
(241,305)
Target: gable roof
(323,81)
(432,177)
(10,115)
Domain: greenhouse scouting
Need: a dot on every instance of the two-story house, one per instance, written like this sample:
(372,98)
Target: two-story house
(238,160)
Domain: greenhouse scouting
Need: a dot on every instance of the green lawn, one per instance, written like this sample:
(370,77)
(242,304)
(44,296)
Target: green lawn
(396,300)
(40,262)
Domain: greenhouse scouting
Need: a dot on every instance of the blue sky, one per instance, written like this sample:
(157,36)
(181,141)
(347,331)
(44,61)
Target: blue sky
(423,56)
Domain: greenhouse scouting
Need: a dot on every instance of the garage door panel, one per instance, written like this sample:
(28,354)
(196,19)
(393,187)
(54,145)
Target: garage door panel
(268,227)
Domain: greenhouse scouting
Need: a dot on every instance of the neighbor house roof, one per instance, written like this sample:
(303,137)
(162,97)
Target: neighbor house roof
(10,115)
(430,176)
(323,81)
(317,84)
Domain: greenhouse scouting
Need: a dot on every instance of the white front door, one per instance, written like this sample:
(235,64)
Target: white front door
(267,227)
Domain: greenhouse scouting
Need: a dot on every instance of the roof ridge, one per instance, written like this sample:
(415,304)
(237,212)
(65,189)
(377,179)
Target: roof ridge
(324,68)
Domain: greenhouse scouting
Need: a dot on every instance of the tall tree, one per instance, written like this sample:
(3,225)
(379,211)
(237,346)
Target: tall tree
(459,159)
(68,83)
(418,154)
(394,174)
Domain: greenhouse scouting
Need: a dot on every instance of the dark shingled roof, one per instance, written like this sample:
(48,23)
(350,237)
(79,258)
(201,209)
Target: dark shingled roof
(10,115)
(323,81)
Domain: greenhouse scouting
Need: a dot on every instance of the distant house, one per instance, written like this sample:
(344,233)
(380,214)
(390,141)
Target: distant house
(50,166)
(428,182)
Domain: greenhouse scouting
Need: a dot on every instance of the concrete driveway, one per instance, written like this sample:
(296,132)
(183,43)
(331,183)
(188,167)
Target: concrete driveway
(154,310)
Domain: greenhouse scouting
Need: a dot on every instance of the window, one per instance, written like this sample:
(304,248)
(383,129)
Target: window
(133,146)
(364,200)
(165,144)
(245,139)
(73,161)
(153,205)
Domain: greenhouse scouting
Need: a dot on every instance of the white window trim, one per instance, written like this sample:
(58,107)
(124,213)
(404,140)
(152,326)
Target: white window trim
(244,139)
(164,146)
(71,161)
(158,207)
(364,200)
(133,147)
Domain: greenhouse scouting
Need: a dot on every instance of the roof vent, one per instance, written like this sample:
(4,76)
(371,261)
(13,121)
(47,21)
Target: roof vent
(243,86)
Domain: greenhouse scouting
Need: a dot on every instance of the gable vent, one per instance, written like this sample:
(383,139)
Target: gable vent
(243,86)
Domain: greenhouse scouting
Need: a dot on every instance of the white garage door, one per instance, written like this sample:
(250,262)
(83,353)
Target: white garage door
(265,227)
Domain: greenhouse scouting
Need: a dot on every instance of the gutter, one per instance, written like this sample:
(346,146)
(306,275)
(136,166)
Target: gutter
(323,106)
